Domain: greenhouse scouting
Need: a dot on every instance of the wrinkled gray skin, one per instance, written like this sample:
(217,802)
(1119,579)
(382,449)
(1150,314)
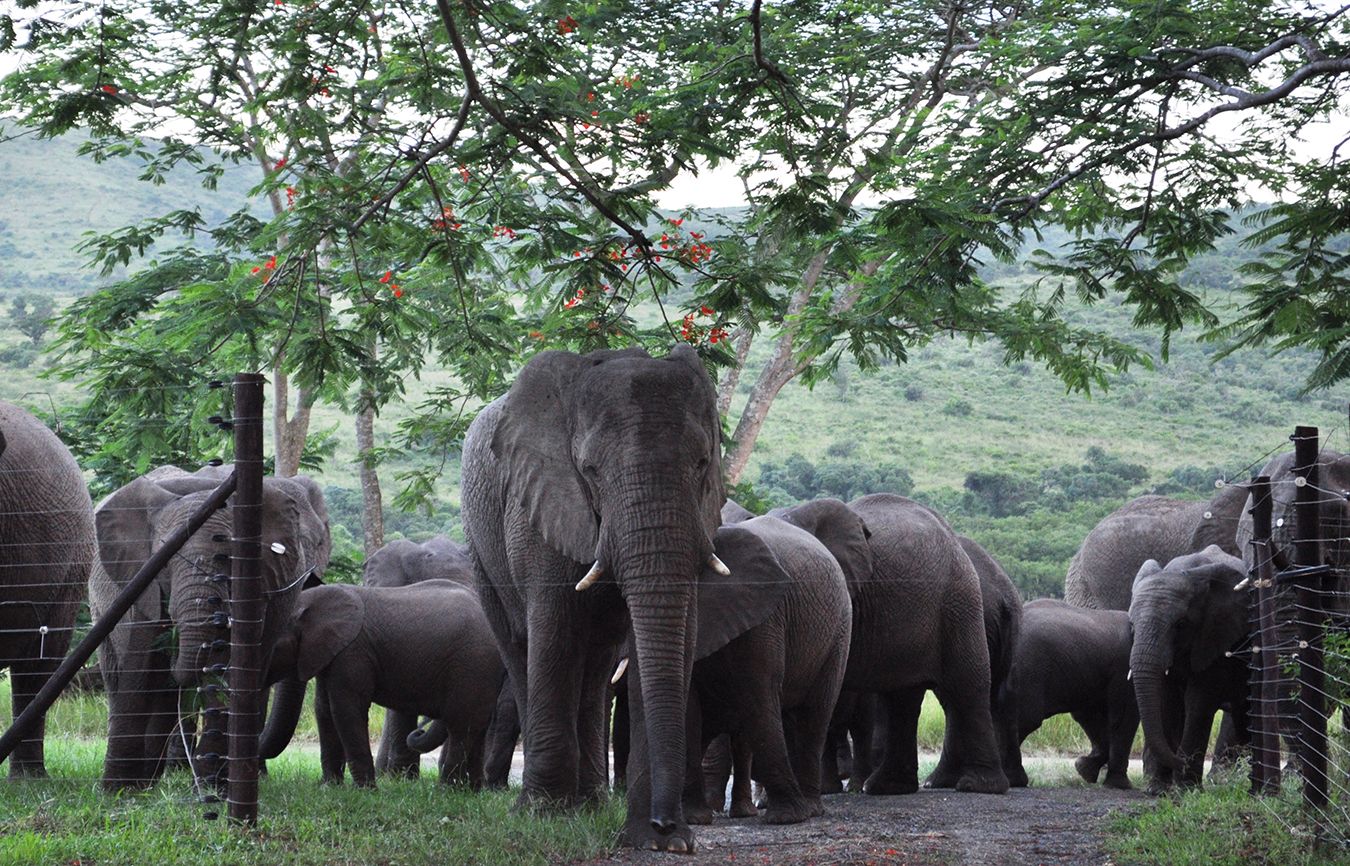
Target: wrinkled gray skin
(425,648)
(612,457)
(770,658)
(1002,605)
(1220,520)
(1077,660)
(1186,616)
(1149,527)
(46,547)
(143,669)
(918,624)
(402,563)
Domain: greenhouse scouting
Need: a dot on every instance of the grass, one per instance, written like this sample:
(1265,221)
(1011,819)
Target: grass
(300,823)
(1221,826)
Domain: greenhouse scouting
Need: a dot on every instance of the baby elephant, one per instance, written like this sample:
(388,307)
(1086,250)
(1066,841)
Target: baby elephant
(421,649)
(1077,660)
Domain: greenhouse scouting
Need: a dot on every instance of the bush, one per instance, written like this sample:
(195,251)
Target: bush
(913,393)
(797,479)
(957,408)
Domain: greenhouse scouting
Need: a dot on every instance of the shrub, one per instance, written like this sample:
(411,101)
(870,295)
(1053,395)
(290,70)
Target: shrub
(957,408)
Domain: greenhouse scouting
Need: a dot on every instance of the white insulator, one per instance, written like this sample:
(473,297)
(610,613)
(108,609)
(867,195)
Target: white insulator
(1219,482)
(1300,481)
(278,548)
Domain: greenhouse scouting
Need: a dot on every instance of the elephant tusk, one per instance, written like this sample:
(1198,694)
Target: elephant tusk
(1129,674)
(591,577)
(718,565)
(619,671)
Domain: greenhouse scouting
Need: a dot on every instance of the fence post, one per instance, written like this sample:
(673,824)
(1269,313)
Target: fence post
(1265,673)
(246,602)
(1311,680)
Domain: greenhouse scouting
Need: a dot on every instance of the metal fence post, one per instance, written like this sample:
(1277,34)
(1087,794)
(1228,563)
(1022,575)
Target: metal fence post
(1311,622)
(246,602)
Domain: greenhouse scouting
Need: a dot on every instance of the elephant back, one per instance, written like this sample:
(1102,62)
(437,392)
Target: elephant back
(1149,527)
(402,563)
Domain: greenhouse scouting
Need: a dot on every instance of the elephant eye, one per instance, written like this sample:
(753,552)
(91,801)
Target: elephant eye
(590,470)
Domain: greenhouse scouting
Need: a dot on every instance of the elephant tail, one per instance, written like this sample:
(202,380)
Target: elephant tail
(428,737)
(281,721)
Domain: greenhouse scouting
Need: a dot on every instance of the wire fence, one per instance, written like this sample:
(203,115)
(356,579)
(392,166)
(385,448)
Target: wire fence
(146,717)
(1299,614)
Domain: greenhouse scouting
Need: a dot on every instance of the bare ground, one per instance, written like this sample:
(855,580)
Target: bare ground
(1042,825)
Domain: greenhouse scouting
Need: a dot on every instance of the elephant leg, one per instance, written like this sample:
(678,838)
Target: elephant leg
(592,727)
(1094,723)
(836,761)
(809,733)
(26,677)
(1195,737)
(456,761)
(394,757)
(500,742)
(715,770)
(1123,714)
(863,723)
(964,694)
(773,765)
(332,755)
(696,806)
(898,772)
(351,717)
(1226,747)
(552,703)
(742,799)
(622,734)
(1009,740)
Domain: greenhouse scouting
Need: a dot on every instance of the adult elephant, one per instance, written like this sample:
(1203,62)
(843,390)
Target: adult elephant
(402,563)
(597,472)
(46,547)
(1187,620)
(918,624)
(160,647)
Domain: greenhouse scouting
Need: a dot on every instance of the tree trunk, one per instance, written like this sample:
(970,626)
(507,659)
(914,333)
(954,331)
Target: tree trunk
(726,391)
(289,433)
(372,504)
(779,370)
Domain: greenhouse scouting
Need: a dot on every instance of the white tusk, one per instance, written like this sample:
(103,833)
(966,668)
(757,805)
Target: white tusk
(1129,674)
(718,565)
(591,577)
(1246,581)
(619,671)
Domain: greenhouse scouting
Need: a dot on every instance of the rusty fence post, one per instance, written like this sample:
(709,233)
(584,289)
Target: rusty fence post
(1311,618)
(1265,665)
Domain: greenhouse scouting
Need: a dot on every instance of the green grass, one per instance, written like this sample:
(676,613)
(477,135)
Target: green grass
(1221,826)
(300,823)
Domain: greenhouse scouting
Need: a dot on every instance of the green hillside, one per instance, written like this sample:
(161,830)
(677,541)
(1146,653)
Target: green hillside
(1002,450)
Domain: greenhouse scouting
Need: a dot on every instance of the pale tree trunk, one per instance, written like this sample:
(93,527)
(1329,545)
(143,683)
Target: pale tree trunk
(372,502)
(726,391)
(289,433)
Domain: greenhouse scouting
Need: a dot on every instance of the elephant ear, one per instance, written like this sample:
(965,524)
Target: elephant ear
(1223,621)
(300,499)
(533,445)
(843,532)
(729,606)
(328,620)
(714,494)
(1148,569)
(125,523)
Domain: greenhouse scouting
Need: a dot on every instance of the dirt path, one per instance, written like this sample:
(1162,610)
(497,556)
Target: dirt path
(1043,825)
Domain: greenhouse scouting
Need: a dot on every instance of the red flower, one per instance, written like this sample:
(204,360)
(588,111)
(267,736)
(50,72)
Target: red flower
(641,117)
(567,24)
(705,310)
(270,263)
(108,88)
(676,222)
(398,293)
(590,97)
(327,68)
(291,194)
(464,173)
(256,269)
(279,164)
(388,275)
(538,335)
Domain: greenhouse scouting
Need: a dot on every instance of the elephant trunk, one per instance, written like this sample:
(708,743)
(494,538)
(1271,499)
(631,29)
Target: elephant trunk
(287,701)
(428,737)
(203,643)
(1148,666)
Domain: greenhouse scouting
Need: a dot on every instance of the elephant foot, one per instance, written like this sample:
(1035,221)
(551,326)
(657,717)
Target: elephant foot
(831,785)
(881,786)
(1088,768)
(742,808)
(697,813)
(1017,777)
(986,782)
(403,771)
(640,835)
(1119,781)
(27,771)
(942,777)
(793,812)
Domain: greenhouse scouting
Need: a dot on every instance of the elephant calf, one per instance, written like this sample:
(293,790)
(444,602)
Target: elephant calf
(422,649)
(1076,660)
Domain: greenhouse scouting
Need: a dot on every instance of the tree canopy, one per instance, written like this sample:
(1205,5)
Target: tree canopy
(469,183)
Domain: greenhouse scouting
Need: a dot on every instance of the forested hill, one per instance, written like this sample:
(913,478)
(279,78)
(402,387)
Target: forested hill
(1000,449)
(50,196)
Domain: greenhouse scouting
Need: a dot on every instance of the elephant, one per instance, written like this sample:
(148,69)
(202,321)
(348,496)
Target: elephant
(1220,520)
(1076,660)
(46,548)
(918,623)
(1105,564)
(172,633)
(424,648)
(400,563)
(1188,621)
(591,494)
(772,647)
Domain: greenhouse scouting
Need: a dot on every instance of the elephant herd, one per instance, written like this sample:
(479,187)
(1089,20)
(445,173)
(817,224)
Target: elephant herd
(600,537)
